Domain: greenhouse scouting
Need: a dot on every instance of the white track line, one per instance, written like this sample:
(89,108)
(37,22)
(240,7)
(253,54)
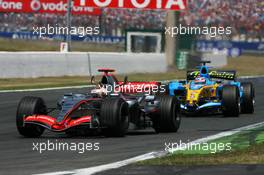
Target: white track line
(87,86)
(47,89)
(156,154)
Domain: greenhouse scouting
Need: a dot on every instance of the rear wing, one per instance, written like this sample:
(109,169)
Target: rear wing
(224,75)
(106,70)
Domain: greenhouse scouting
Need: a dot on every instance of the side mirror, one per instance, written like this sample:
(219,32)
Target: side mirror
(93,80)
(125,80)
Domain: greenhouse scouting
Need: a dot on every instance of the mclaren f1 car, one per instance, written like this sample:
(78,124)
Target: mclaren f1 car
(111,108)
(209,91)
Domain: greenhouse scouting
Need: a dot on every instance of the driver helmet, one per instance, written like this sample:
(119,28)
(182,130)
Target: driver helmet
(100,91)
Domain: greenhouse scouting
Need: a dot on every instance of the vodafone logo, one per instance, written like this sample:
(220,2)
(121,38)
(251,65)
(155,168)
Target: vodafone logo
(44,6)
(10,5)
(35,5)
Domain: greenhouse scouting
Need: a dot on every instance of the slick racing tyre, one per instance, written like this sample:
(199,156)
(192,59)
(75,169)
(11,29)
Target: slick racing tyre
(248,98)
(230,101)
(168,118)
(134,114)
(114,118)
(26,107)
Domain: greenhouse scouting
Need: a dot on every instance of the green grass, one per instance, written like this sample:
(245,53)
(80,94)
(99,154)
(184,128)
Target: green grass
(247,147)
(251,155)
(43,82)
(237,141)
(247,65)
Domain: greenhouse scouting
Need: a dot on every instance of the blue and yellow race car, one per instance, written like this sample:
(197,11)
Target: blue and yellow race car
(208,91)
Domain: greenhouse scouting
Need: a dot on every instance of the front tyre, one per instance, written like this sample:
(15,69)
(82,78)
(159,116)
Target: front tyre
(230,101)
(30,106)
(114,118)
(168,118)
(248,98)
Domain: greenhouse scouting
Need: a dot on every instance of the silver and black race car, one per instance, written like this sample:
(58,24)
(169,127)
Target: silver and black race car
(111,113)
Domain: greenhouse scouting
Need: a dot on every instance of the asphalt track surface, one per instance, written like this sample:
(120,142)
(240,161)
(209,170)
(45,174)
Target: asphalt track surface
(191,170)
(17,155)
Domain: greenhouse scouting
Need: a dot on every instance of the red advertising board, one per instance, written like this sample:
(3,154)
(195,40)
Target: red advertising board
(137,4)
(45,6)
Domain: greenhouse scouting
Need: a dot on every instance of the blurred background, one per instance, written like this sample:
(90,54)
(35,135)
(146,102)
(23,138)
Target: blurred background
(128,38)
(246,17)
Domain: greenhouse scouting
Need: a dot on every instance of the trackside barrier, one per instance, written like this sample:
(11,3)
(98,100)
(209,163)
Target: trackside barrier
(54,64)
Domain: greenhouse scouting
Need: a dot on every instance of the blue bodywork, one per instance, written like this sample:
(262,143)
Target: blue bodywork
(218,78)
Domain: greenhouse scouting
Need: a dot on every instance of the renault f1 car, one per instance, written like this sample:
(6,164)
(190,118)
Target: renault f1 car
(110,112)
(207,91)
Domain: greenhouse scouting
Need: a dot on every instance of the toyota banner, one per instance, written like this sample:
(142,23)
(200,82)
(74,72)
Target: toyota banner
(135,4)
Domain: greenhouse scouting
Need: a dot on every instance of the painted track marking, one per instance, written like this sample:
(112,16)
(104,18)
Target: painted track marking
(155,154)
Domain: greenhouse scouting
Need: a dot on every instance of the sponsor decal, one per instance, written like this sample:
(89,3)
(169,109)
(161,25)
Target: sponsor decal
(224,75)
(35,5)
(45,6)
(230,75)
(6,5)
(137,4)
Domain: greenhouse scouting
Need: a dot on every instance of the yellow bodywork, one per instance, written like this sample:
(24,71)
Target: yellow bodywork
(193,96)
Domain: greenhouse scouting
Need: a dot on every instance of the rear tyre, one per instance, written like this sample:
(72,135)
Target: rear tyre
(230,101)
(114,117)
(134,114)
(168,118)
(26,107)
(248,98)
